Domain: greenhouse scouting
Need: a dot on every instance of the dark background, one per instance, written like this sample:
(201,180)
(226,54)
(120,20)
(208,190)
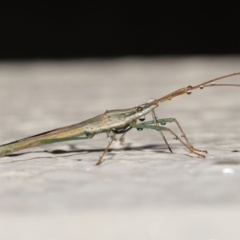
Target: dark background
(100,29)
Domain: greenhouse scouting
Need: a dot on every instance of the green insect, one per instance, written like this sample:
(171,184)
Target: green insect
(117,122)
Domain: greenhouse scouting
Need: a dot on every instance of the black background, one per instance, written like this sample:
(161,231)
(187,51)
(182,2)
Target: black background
(100,29)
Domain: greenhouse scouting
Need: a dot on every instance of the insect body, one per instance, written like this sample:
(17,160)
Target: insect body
(115,122)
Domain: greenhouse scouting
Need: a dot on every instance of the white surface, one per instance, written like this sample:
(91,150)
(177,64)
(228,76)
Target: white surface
(142,192)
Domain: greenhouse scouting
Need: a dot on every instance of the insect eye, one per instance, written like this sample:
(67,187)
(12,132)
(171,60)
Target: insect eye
(139,109)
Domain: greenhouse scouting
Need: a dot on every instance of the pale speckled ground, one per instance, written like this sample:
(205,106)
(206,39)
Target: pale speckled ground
(142,192)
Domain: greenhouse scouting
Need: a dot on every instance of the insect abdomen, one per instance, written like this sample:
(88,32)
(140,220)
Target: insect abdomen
(16,146)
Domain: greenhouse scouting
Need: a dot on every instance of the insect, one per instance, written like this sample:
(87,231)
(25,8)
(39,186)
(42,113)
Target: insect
(117,122)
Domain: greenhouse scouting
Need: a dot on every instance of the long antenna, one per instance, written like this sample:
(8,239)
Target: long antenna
(189,89)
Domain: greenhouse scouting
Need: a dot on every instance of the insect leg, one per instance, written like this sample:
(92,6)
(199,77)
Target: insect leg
(104,152)
(111,137)
(185,137)
(151,125)
(190,148)
(170,120)
(157,124)
(121,139)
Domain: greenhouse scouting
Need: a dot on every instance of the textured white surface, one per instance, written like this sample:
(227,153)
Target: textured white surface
(140,192)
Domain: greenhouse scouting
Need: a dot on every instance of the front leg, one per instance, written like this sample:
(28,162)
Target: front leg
(151,125)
